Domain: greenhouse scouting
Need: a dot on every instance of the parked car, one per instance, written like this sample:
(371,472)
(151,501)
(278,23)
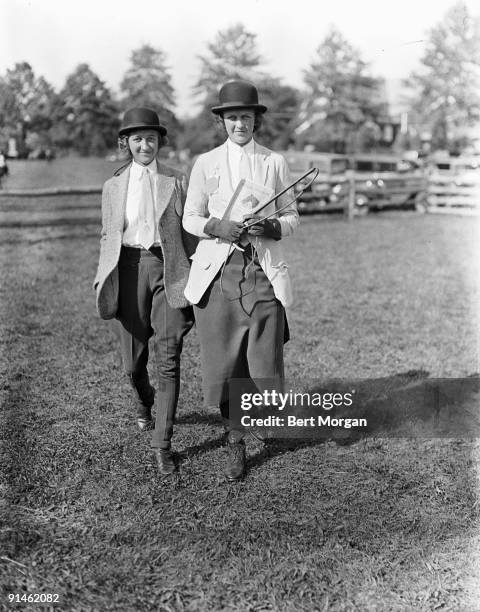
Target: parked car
(453,182)
(381,181)
(332,171)
(387,181)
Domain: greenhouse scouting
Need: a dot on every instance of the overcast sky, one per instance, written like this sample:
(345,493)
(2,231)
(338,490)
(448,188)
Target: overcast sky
(54,36)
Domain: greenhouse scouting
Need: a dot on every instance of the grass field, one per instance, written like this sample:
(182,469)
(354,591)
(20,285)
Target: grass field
(63,172)
(379,524)
(69,171)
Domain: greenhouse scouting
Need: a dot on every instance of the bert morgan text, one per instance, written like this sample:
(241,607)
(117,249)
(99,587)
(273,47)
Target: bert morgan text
(294,421)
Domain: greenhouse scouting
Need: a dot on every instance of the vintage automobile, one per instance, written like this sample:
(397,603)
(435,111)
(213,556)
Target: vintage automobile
(453,183)
(332,171)
(387,181)
(380,181)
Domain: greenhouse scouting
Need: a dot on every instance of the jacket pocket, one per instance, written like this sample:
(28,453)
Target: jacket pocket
(279,271)
(203,265)
(281,265)
(198,262)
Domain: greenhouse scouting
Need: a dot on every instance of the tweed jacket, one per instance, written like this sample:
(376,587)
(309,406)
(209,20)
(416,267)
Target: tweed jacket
(176,244)
(210,189)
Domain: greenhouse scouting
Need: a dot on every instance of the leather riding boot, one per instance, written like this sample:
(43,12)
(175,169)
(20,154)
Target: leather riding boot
(236,460)
(165,461)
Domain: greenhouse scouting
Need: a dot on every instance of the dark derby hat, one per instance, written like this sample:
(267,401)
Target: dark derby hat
(141,119)
(238,94)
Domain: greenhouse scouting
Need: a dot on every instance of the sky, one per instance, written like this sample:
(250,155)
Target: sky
(54,36)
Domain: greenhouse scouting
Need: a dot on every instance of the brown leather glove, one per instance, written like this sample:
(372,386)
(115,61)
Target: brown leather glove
(228,230)
(270,228)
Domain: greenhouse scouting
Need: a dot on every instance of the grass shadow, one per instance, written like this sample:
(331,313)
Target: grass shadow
(405,405)
(204,447)
(199,417)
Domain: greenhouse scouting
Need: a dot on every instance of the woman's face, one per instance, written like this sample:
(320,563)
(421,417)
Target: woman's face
(239,124)
(144,146)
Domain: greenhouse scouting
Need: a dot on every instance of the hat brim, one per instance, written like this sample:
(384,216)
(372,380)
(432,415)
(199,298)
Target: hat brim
(231,105)
(129,128)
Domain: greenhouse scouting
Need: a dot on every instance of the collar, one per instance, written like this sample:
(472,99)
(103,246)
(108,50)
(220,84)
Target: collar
(236,149)
(136,170)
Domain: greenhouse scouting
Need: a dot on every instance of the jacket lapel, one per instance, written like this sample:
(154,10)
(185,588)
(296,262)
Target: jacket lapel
(119,198)
(261,164)
(165,189)
(225,187)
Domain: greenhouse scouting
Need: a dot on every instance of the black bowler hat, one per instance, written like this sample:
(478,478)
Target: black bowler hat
(238,94)
(141,119)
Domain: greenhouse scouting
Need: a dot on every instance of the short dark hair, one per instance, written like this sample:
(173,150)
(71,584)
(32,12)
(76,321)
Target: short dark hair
(219,121)
(125,149)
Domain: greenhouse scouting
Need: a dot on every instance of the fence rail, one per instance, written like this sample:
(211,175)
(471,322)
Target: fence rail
(50,191)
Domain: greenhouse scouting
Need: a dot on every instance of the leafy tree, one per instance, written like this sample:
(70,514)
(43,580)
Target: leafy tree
(234,55)
(445,91)
(278,124)
(8,124)
(26,103)
(340,97)
(86,116)
(200,133)
(148,83)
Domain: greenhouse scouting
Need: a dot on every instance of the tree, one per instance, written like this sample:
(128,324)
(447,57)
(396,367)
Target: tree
(26,103)
(86,117)
(234,55)
(445,92)
(340,98)
(8,115)
(148,83)
(278,125)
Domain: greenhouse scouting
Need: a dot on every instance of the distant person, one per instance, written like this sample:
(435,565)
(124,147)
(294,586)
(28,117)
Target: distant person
(3,166)
(142,273)
(239,291)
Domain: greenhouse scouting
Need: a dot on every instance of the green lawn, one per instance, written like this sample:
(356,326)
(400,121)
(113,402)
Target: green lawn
(380,524)
(63,172)
(71,171)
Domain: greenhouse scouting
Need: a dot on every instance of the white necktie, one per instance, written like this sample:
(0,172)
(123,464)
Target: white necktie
(244,170)
(146,217)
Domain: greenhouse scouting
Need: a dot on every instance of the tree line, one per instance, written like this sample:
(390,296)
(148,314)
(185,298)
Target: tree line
(342,107)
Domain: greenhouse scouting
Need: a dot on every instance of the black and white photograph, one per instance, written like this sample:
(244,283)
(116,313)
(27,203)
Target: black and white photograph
(240,306)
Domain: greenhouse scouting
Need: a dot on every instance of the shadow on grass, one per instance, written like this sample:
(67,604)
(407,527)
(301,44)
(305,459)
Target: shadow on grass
(197,417)
(204,447)
(408,405)
(405,405)
(19,472)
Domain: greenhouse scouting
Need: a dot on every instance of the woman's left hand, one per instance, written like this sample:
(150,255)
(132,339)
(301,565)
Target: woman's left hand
(270,228)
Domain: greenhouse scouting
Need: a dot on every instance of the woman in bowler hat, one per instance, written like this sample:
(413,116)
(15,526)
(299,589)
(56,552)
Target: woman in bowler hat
(239,294)
(142,273)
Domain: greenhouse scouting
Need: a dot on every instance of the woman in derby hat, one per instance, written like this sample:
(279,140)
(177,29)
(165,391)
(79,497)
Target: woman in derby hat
(142,273)
(239,282)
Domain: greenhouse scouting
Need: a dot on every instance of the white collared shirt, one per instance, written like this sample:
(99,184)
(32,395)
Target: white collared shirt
(234,154)
(132,208)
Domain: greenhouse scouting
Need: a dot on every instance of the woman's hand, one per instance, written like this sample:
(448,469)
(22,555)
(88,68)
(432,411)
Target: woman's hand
(228,230)
(270,228)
